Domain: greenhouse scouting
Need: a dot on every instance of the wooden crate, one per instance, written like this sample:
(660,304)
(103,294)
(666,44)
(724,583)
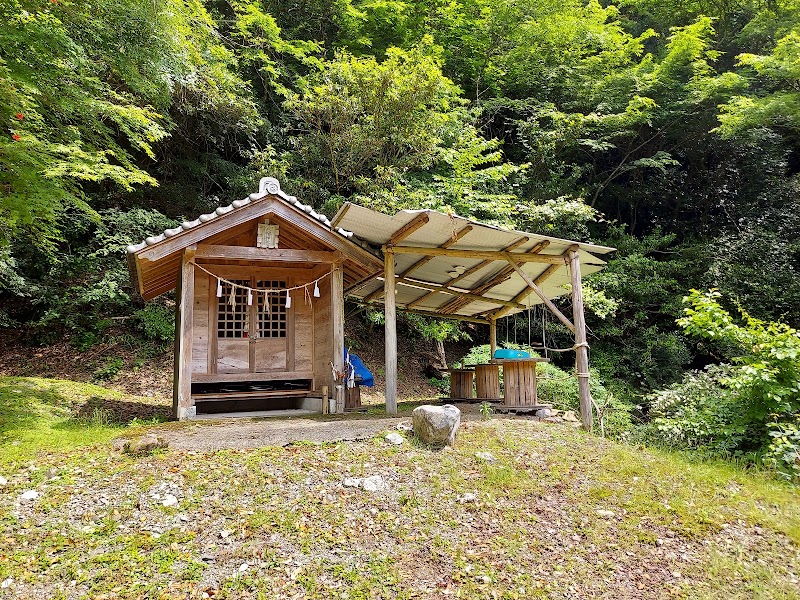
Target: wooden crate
(487,382)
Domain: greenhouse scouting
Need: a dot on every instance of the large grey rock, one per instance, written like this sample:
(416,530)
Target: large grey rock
(145,444)
(436,425)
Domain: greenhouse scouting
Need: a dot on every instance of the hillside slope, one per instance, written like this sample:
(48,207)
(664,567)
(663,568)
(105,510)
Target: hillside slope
(552,513)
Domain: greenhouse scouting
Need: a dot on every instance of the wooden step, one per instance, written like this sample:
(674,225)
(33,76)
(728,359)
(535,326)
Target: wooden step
(256,395)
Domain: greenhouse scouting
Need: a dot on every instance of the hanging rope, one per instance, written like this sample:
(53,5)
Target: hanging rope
(529,328)
(265,291)
(515,329)
(544,332)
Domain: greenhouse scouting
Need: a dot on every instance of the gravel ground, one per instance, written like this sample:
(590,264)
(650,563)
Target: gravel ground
(256,433)
(243,433)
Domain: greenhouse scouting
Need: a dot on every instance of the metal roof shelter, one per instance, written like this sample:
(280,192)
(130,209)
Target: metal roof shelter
(449,266)
(448,280)
(433,263)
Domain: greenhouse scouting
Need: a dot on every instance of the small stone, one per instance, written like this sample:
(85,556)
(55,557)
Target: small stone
(243,567)
(3,481)
(606,514)
(394,438)
(6,583)
(485,456)
(29,495)
(659,542)
(569,416)
(468,497)
(224,534)
(405,427)
(543,413)
(169,500)
(374,483)
(207,558)
(352,482)
(145,444)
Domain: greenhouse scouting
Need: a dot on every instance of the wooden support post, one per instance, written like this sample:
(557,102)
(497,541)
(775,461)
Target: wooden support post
(337,317)
(391,332)
(581,346)
(492,337)
(182,405)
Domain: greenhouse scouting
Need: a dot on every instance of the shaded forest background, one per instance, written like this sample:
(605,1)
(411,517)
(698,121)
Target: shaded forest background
(665,128)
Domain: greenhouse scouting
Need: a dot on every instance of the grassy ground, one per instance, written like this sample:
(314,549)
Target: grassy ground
(557,514)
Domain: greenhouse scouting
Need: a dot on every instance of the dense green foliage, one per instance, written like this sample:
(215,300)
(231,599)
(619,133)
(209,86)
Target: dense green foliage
(670,130)
(750,404)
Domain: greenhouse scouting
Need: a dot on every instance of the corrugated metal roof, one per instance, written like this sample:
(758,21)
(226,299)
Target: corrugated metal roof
(378,228)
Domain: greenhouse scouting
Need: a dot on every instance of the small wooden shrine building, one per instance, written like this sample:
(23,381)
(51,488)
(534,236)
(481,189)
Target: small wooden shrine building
(260,311)
(261,287)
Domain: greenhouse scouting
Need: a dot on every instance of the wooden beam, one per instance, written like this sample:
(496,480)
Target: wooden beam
(549,303)
(409,228)
(213,251)
(581,345)
(493,281)
(471,270)
(527,291)
(422,261)
(426,259)
(390,333)
(553,259)
(184,307)
(337,318)
(492,337)
(435,315)
(337,218)
(459,293)
(362,282)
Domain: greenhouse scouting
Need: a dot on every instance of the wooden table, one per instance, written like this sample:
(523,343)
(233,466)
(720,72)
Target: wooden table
(461,384)
(519,382)
(487,382)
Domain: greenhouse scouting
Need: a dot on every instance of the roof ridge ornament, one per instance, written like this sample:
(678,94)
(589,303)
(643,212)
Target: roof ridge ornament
(270,185)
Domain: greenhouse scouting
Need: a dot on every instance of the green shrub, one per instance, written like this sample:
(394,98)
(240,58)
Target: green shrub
(156,322)
(699,412)
(109,370)
(749,407)
(783,453)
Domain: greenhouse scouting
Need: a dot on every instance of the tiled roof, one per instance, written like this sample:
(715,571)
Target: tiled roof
(268,186)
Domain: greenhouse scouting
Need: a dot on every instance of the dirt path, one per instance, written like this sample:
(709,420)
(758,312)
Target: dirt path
(255,433)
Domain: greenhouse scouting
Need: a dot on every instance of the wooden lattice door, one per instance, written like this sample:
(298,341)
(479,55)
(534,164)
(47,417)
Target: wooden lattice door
(253,337)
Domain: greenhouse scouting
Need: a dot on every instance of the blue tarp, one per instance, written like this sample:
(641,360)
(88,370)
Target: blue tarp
(360,370)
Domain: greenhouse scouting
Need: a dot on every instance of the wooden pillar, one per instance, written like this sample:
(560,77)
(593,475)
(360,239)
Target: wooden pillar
(182,405)
(337,317)
(391,332)
(492,336)
(581,345)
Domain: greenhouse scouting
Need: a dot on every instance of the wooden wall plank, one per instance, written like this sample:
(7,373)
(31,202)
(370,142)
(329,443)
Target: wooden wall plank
(200,333)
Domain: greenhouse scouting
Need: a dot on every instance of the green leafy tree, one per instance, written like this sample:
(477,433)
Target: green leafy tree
(357,114)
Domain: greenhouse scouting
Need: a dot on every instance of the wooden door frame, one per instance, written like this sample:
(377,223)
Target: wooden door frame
(213,337)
